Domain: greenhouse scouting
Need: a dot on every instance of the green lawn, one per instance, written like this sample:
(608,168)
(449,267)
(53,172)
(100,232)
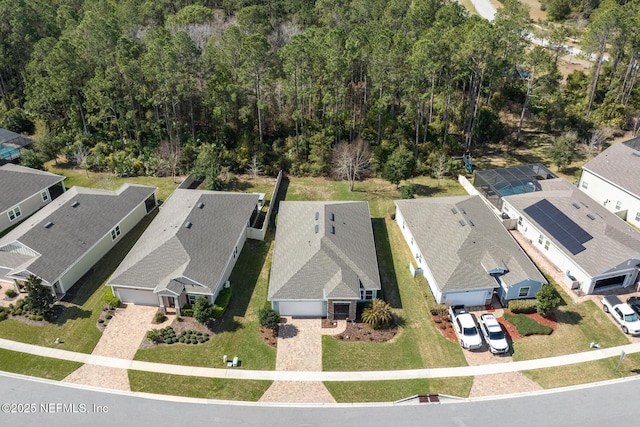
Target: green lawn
(578,326)
(527,326)
(36,366)
(239,331)
(76,326)
(583,373)
(109,181)
(206,388)
(389,391)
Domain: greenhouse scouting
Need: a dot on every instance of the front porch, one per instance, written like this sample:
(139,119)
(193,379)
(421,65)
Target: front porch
(340,310)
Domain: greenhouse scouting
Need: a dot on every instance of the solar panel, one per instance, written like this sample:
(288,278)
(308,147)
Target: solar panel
(559,226)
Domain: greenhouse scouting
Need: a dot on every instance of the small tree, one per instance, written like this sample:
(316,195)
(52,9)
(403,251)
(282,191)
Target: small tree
(377,314)
(440,167)
(268,318)
(39,299)
(80,157)
(547,299)
(202,310)
(399,165)
(254,169)
(351,161)
(563,150)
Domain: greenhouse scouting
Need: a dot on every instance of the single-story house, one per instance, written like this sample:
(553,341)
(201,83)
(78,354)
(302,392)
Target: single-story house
(324,261)
(188,250)
(612,179)
(593,247)
(24,191)
(464,251)
(10,145)
(62,241)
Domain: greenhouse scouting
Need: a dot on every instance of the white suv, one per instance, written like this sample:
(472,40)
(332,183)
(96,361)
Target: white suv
(493,334)
(465,328)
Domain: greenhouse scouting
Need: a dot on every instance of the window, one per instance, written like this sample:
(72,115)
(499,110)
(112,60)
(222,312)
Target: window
(540,239)
(366,294)
(524,292)
(192,299)
(14,213)
(115,232)
(519,220)
(546,245)
(638,216)
(585,184)
(45,196)
(618,205)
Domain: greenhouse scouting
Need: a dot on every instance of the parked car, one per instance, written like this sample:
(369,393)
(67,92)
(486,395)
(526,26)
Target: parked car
(465,327)
(622,313)
(493,334)
(634,303)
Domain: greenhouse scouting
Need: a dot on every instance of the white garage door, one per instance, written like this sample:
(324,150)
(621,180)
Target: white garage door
(466,298)
(139,297)
(302,308)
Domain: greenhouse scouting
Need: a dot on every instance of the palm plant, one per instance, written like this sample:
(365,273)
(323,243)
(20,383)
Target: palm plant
(377,314)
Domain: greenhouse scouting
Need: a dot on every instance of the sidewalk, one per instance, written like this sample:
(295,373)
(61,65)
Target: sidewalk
(463,371)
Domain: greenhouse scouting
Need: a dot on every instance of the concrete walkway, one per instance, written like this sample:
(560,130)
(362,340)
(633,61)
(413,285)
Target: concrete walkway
(300,349)
(462,371)
(120,339)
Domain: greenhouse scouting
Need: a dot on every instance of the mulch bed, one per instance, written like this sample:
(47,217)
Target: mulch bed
(448,331)
(357,331)
(269,336)
(512,332)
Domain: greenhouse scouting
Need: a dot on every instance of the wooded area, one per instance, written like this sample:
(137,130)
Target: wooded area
(161,87)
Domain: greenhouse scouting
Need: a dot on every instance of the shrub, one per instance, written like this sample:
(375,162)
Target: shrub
(154,335)
(187,312)
(547,299)
(159,317)
(111,301)
(179,319)
(11,293)
(268,318)
(408,191)
(202,310)
(377,314)
(3,315)
(525,306)
(221,303)
(108,316)
(100,321)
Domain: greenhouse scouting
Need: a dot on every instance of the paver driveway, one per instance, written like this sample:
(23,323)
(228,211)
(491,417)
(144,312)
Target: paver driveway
(120,339)
(300,349)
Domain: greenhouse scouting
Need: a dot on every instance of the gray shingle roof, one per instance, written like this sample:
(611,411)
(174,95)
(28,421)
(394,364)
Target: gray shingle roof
(170,256)
(20,183)
(74,230)
(612,239)
(460,255)
(620,164)
(327,263)
(14,139)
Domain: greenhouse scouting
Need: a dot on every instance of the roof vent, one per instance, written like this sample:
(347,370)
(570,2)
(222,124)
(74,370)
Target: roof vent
(48,225)
(575,205)
(463,212)
(462,223)
(200,205)
(75,204)
(187,224)
(331,216)
(471,223)
(333,229)
(591,217)
(454,211)
(317,216)
(317,228)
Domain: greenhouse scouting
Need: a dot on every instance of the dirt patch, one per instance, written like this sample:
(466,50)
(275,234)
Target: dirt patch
(329,324)
(357,331)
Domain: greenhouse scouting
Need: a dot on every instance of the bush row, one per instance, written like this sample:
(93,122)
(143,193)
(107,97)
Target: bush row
(525,306)
(168,335)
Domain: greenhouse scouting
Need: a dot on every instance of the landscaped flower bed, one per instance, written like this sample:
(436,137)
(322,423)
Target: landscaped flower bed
(168,336)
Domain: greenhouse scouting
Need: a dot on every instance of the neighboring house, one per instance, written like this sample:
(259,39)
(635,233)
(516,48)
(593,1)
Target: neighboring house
(612,178)
(10,145)
(24,191)
(324,261)
(189,249)
(593,247)
(464,251)
(62,241)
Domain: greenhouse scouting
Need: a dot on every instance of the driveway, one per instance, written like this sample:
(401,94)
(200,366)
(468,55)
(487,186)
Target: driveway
(120,339)
(300,349)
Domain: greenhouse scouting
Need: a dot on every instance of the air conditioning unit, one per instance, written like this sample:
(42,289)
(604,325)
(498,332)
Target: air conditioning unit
(227,284)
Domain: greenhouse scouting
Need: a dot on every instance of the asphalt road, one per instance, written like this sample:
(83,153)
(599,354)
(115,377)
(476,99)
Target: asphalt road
(31,402)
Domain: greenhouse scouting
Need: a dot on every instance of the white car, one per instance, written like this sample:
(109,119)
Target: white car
(493,334)
(465,328)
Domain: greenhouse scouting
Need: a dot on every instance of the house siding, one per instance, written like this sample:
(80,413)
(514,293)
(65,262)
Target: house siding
(513,292)
(99,250)
(231,262)
(608,195)
(27,207)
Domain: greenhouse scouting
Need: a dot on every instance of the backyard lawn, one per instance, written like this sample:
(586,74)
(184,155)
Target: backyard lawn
(238,334)
(205,388)
(36,366)
(389,391)
(76,326)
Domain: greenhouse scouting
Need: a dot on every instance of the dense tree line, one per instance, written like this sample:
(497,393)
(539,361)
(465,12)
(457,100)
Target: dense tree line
(163,87)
